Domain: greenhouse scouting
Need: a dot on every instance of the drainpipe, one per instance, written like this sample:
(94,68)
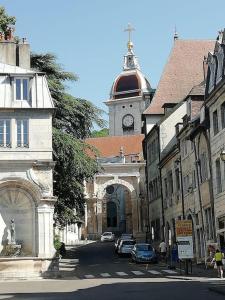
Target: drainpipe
(161,191)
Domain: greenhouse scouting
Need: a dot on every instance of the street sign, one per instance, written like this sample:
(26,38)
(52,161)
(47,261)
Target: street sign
(184,239)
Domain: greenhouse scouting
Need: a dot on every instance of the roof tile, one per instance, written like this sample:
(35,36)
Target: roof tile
(183,70)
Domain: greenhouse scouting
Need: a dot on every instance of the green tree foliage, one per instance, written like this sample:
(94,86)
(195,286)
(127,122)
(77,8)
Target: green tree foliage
(5,21)
(73,122)
(100,133)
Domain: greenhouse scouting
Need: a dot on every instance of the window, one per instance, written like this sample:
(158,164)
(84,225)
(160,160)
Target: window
(208,222)
(170,182)
(22,133)
(5,133)
(218,177)
(203,167)
(215,122)
(186,184)
(22,88)
(223,115)
(177,176)
(165,192)
(221,222)
(193,179)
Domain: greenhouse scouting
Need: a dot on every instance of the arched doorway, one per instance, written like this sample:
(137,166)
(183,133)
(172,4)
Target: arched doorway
(111,214)
(118,214)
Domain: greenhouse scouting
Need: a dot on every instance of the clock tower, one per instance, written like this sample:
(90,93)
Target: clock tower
(129,97)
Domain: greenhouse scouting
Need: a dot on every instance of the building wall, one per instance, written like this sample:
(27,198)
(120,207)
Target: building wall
(217,142)
(119,108)
(167,126)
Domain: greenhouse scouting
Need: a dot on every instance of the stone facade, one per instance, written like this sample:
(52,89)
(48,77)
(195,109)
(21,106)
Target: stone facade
(26,184)
(214,108)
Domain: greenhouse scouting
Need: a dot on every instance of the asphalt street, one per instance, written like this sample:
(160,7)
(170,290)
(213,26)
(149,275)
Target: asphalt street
(125,280)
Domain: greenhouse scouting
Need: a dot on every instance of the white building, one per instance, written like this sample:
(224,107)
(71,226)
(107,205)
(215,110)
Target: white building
(26,185)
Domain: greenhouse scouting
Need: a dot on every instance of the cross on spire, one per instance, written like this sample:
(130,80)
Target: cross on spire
(129,29)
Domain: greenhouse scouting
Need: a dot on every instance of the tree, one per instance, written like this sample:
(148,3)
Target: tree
(5,21)
(73,122)
(100,133)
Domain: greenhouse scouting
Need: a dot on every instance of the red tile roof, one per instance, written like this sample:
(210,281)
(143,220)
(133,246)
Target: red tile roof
(109,146)
(183,70)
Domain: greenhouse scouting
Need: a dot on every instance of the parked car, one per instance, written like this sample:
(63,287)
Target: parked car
(144,253)
(107,237)
(126,246)
(124,236)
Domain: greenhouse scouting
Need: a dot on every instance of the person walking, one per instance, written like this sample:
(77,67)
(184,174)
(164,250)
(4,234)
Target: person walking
(162,249)
(218,259)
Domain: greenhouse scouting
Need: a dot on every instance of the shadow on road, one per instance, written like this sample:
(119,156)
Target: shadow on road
(125,290)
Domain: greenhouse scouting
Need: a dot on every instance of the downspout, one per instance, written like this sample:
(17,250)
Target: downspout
(161,191)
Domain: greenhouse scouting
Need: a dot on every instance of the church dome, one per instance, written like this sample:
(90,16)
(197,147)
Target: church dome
(129,83)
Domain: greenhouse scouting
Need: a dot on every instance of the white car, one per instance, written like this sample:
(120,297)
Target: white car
(126,246)
(107,236)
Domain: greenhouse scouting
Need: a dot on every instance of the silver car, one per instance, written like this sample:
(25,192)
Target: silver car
(107,237)
(126,247)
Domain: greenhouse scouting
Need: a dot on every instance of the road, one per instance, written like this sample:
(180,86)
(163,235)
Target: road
(95,272)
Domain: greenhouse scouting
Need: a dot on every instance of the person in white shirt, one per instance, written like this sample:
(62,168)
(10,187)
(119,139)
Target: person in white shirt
(162,249)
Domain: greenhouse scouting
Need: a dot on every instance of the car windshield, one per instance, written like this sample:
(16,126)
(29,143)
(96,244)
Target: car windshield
(107,233)
(144,247)
(128,242)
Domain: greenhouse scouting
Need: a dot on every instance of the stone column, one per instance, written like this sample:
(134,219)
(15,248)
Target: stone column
(45,229)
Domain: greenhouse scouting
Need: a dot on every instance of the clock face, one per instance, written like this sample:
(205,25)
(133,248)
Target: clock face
(128,120)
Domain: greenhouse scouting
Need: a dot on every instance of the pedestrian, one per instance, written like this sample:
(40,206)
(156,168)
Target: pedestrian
(62,250)
(218,260)
(162,250)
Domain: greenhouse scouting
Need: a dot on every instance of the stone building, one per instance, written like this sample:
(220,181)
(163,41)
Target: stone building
(26,189)
(184,69)
(186,178)
(116,199)
(213,111)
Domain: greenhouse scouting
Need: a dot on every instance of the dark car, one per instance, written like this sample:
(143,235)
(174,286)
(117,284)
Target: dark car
(144,253)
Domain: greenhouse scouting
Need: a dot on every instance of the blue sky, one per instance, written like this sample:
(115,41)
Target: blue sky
(88,35)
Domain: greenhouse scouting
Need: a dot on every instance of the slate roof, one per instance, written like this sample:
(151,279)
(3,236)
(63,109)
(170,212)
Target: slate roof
(110,146)
(183,70)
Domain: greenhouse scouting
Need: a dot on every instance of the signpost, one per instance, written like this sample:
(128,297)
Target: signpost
(184,241)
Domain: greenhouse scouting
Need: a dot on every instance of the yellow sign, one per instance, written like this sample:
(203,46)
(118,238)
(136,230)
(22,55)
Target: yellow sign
(183,228)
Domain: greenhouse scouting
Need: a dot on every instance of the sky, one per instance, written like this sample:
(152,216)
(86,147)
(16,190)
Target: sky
(88,36)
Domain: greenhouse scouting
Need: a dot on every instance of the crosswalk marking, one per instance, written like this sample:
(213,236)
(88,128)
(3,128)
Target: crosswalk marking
(105,275)
(89,276)
(121,273)
(154,272)
(170,271)
(137,273)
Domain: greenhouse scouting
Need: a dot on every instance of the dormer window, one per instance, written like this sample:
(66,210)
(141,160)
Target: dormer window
(21,88)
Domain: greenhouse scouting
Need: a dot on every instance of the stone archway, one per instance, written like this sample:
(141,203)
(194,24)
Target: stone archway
(18,202)
(127,208)
(102,189)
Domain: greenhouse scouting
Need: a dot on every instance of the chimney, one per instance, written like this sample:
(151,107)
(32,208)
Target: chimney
(12,52)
